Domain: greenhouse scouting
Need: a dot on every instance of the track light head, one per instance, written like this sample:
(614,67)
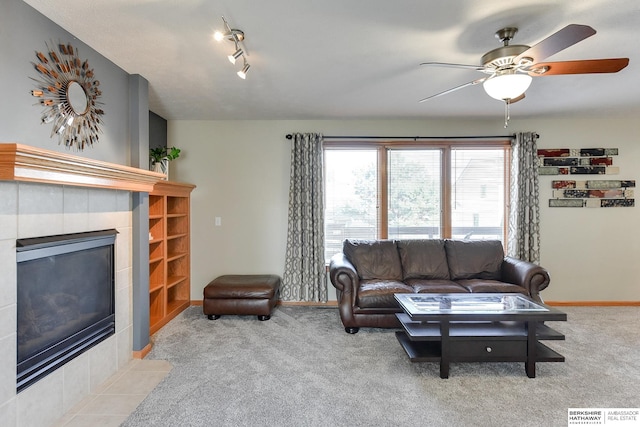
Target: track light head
(243,73)
(218,36)
(237,54)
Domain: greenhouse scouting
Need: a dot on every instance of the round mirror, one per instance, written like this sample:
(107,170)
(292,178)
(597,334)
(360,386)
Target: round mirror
(70,94)
(77,98)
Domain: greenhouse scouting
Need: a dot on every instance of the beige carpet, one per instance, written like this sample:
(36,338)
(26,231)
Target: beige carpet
(301,369)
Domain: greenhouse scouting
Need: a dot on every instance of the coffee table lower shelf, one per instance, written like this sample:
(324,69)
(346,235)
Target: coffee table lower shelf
(478,342)
(430,351)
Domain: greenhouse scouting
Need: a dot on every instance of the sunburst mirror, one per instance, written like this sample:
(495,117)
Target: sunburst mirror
(69,92)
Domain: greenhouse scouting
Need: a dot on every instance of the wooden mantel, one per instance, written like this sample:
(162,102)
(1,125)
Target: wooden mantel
(24,163)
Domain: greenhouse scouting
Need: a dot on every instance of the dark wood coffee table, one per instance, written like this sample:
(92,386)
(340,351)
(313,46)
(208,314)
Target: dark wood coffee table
(477,327)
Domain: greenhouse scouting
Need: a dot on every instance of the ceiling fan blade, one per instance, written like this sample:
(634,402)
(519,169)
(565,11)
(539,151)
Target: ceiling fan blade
(588,66)
(568,36)
(475,82)
(447,64)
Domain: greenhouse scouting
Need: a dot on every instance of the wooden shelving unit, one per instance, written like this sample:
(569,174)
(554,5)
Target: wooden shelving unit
(169,252)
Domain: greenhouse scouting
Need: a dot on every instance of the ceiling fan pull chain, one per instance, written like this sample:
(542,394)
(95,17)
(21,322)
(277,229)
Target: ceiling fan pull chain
(506,113)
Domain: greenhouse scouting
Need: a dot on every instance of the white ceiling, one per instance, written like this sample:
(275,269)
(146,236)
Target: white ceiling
(351,59)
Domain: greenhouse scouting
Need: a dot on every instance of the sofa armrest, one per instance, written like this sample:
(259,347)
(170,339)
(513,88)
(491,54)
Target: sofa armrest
(530,276)
(344,277)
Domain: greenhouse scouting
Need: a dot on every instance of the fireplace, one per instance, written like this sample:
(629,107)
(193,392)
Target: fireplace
(66,302)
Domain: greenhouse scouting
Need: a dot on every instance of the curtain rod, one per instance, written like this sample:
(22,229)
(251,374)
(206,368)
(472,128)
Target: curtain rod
(415,138)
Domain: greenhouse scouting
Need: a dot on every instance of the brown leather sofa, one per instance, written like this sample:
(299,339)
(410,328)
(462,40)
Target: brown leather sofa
(367,274)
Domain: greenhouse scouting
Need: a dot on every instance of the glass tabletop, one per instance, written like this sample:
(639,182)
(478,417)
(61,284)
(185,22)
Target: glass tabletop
(467,303)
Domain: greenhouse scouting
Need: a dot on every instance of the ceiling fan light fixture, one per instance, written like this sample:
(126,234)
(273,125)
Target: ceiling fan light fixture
(507,86)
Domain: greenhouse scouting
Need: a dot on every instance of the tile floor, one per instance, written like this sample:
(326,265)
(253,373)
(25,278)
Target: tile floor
(117,397)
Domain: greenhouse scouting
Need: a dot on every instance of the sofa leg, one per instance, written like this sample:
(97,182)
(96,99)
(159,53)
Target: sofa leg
(351,330)
(213,316)
(262,318)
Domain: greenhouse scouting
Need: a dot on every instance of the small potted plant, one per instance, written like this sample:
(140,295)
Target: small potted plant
(159,158)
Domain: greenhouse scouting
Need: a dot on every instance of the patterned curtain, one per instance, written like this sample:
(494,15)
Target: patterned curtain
(524,214)
(304,271)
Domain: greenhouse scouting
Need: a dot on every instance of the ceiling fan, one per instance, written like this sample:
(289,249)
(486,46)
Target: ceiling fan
(510,68)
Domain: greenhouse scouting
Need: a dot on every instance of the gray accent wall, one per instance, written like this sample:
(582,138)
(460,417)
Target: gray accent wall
(23,32)
(139,135)
(157,130)
(124,140)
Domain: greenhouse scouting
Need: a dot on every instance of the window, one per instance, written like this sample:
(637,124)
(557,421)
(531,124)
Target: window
(351,197)
(414,193)
(395,190)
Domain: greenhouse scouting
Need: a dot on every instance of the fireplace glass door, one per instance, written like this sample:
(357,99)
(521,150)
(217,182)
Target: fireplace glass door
(65,299)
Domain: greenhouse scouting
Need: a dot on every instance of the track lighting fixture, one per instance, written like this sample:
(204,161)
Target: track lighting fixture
(236,36)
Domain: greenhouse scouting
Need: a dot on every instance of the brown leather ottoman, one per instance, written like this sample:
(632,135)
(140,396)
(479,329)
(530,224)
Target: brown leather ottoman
(241,294)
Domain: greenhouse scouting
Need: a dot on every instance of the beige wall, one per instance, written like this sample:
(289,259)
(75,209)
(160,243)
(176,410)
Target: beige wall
(241,169)
(591,254)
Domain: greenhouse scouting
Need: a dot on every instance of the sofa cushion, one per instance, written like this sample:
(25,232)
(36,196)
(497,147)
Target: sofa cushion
(474,259)
(484,285)
(380,293)
(437,286)
(374,259)
(423,259)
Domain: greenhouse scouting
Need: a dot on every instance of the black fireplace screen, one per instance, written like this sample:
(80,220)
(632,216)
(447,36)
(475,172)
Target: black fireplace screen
(65,299)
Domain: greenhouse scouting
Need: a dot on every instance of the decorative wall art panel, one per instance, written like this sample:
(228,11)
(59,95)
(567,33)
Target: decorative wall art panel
(552,170)
(596,161)
(560,161)
(590,193)
(612,203)
(585,194)
(594,170)
(595,184)
(587,152)
(560,152)
(611,184)
(566,184)
(566,203)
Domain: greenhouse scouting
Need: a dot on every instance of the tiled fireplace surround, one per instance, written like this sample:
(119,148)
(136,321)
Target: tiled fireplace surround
(34,209)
